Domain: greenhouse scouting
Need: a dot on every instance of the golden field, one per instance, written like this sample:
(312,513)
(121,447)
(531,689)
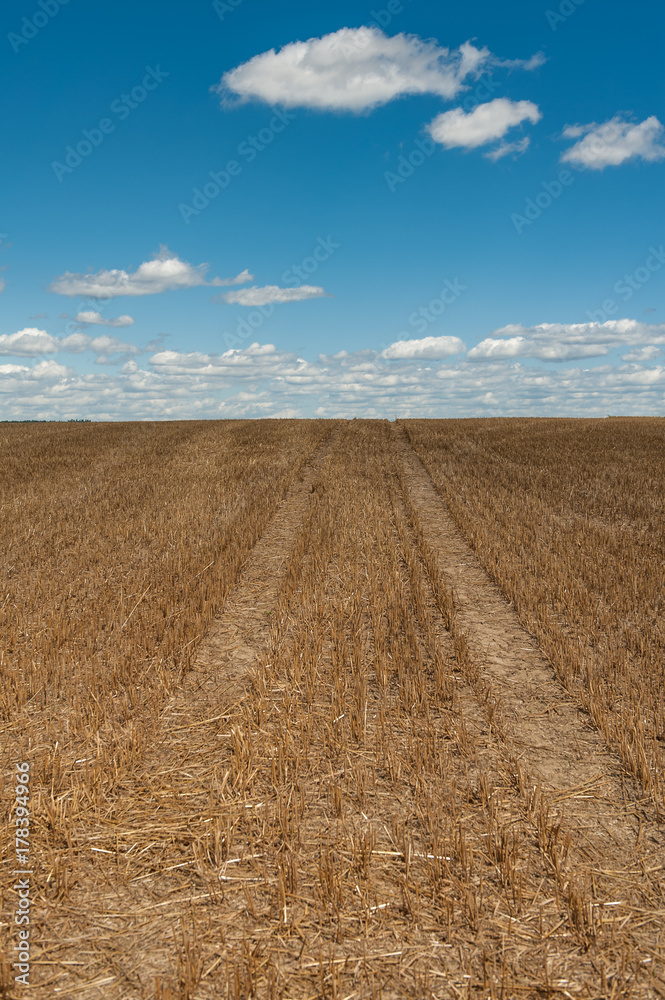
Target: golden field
(336,709)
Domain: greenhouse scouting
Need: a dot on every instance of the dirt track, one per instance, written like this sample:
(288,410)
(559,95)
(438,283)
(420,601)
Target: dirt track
(543,730)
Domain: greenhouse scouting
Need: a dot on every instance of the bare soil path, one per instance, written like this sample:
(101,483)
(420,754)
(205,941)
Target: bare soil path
(232,646)
(616,831)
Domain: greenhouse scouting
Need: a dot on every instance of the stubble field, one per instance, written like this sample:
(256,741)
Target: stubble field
(336,709)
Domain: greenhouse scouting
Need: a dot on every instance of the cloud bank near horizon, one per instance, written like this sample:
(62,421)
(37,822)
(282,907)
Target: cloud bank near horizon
(429,376)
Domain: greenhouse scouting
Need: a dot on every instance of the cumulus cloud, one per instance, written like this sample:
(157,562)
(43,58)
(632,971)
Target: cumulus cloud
(240,279)
(614,142)
(566,342)
(76,343)
(428,347)
(251,361)
(197,360)
(28,343)
(13,369)
(484,124)
(642,355)
(164,273)
(49,370)
(32,342)
(357,69)
(92,318)
(525,347)
(261,381)
(273,294)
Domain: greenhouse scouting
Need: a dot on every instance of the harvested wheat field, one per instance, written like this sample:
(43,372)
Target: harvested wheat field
(335,709)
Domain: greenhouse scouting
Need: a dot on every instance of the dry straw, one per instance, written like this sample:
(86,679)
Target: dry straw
(335,806)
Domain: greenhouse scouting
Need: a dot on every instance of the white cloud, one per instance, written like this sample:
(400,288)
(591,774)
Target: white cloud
(269,294)
(642,355)
(254,350)
(13,369)
(523,347)
(196,360)
(428,347)
(50,370)
(357,69)
(539,59)
(240,279)
(28,343)
(566,342)
(162,274)
(614,142)
(3,285)
(505,148)
(408,378)
(76,343)
(96,319)
(261,381)
(484,124)
(254,361)
(32,342)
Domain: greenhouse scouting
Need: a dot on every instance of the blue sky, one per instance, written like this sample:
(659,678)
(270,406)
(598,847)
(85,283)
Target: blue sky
(243,209)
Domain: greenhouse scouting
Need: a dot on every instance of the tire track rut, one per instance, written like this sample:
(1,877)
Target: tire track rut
(237,637)
(545,732)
